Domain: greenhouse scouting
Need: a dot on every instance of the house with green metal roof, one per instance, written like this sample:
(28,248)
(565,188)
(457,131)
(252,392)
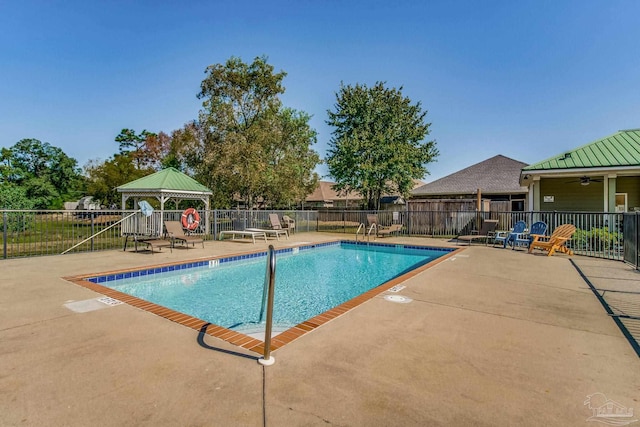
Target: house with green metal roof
(602,176)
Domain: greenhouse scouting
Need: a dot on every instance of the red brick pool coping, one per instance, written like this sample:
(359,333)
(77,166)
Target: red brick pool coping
(237,338)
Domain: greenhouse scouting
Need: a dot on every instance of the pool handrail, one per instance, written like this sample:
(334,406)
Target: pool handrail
(268,295)
(365,233)
(373,226)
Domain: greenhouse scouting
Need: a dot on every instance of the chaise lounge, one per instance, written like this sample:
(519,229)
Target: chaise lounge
(486,232)
(243,233)
(269,232)
(388,231)
(175,231)
(247,232)
(155,243)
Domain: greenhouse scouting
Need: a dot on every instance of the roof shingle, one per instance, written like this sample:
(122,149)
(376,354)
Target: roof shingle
(497,175)
(325,192)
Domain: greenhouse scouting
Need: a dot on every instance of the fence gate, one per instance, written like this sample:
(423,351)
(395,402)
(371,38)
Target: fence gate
(631,235)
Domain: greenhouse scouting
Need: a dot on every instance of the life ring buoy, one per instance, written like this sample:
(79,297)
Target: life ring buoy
(190,219)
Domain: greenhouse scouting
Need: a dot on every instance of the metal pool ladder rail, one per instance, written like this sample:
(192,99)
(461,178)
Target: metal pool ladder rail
(373,226)
(364,231)
(267,298)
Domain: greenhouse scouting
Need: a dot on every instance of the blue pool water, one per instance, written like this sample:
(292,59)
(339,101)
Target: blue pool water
(309,281)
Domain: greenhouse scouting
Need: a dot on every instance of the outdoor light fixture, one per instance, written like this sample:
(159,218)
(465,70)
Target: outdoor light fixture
(586,180)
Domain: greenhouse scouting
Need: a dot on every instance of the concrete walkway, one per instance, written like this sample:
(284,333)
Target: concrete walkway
(493,337)
(618,287)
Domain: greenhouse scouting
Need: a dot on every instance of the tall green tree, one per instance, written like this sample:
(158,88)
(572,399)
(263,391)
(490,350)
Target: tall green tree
(377,145)
(104,177)
(183,143)
(136,145)
(287,179)
(140,154)
(244,139)
(163,151)
(46,174)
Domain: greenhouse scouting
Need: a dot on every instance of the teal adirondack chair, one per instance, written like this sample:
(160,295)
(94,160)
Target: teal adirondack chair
(524,239)
(510,236)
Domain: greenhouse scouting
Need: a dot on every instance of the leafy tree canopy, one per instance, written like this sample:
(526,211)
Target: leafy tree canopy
(377,146)
(13,196)
(180,144)
(164,151)
(104,177)
(45,173)
(287,177)
(140,155)
(141,147)
(245,144)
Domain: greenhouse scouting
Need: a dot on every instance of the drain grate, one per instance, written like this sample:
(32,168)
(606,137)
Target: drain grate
(398,298)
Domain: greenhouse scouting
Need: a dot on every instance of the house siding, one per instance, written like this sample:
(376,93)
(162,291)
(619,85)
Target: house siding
(571,196)
(631,186)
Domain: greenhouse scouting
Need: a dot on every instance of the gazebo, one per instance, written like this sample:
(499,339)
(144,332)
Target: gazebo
(165,185)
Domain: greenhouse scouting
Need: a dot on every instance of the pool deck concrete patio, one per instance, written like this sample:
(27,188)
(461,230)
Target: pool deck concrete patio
(492,337)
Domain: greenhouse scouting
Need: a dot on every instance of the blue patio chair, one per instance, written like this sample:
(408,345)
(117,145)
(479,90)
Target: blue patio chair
(508,237)
(524,239)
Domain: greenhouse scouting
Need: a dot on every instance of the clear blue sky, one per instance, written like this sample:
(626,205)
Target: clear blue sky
(526,79)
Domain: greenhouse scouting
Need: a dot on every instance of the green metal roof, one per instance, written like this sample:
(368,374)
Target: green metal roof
(619,149)
(167,179)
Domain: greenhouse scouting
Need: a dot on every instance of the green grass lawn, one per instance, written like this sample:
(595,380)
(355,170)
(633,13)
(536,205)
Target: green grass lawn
(31,234)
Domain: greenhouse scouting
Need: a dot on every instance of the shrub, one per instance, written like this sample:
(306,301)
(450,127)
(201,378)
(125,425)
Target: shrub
(596,238)
(14,197)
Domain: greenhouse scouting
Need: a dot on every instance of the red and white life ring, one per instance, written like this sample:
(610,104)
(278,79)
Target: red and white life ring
(190,219)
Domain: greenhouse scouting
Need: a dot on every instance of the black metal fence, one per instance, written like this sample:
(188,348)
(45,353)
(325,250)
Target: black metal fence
(597,234)
(27,233)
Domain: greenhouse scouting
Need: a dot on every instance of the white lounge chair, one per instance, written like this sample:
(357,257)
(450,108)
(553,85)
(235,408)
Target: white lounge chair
(274,219)
(243,233)
(270,232)
(289,223)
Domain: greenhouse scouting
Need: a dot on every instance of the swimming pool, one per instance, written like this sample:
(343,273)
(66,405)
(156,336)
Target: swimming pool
(313,284)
